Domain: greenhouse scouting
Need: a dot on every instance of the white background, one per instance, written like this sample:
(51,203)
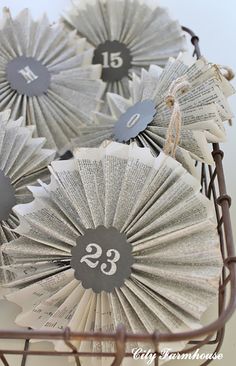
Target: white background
(214,22)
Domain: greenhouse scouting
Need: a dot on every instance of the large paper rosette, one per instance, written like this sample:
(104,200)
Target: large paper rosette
(47,77)
(127,35)
(23,160)
(121,237)
(147,115)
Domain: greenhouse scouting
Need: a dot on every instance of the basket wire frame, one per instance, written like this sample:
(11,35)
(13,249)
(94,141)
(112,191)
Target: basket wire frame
(214,187)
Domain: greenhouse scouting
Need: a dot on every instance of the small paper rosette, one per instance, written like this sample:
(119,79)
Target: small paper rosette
(127,35)
(122,237)
(22,161)
(47,77)
(145,117)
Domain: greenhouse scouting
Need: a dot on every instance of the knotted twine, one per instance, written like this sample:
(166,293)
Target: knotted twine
(173,132)
(226,71)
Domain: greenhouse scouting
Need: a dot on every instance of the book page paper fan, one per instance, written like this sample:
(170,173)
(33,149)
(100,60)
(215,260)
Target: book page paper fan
(123,237)
(22,161)
(146,116)
(127,35)
(47,77)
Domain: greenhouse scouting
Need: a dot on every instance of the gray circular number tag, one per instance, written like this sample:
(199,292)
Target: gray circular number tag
(102,259)
(115,59)
(134,120)
(28,76)
(7,196)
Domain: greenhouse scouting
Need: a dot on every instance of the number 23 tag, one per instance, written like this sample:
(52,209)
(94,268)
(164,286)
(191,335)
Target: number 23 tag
(102,259)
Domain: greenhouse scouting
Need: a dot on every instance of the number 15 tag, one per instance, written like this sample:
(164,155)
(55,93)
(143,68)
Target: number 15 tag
(115,59)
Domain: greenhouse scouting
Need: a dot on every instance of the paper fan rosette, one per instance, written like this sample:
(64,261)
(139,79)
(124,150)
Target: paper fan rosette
(190,95)
(123,237)
(22,161)
(47,77)
(127,35)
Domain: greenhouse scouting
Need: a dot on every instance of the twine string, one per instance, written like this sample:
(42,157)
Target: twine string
(173,132)
(226,71)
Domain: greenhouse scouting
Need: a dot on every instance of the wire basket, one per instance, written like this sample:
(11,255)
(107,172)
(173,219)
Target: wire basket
(212,335)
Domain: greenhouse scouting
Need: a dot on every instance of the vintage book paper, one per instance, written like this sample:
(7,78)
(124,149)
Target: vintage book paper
(145,117)
(127,35)
(118,236)
(23,160)
(47,77)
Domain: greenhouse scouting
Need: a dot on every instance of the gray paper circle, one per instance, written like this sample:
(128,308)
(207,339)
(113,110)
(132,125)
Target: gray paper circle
(102,259)
(115,58)
(28,76)
(7,196)
(134,120)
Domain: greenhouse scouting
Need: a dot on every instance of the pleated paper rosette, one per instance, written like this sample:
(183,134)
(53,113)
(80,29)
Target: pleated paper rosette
(47,77)
(118,236)
(197,88)
(127,35)
(23,160)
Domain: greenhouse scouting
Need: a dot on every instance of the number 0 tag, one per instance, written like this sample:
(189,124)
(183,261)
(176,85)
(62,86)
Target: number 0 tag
(135,120)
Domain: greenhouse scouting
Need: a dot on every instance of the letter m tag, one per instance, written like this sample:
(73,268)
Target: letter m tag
(28,74)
